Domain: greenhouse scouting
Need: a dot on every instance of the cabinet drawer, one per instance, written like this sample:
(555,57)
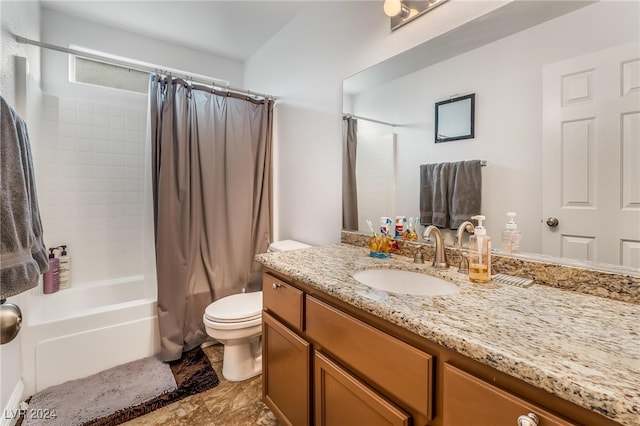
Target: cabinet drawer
(341,399)
(282,300)
(403,371)
(470,400)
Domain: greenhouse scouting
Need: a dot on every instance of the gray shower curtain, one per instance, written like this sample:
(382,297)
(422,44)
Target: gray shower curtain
(349,188)
(211,172)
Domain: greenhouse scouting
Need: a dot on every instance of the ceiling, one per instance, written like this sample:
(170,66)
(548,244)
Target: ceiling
(232,29)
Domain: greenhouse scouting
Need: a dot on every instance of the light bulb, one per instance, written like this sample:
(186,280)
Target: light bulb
(392,7)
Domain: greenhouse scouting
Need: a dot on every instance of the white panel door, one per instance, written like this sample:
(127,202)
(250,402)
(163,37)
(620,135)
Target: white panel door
(591,156)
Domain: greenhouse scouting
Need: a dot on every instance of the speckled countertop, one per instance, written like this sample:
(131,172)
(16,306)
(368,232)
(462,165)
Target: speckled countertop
(583,348)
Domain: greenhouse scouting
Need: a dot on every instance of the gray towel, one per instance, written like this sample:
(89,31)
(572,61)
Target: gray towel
(23,256)
(450,193)
(465,192)
(434,184)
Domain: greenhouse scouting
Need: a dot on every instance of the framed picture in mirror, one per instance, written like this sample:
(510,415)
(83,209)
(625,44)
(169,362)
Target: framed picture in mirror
(455,118)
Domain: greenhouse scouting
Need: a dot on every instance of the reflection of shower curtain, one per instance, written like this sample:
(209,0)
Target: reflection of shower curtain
(349,188)
(211,165)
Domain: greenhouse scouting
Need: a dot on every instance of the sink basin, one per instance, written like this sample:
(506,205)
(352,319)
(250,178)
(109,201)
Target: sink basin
(405,282)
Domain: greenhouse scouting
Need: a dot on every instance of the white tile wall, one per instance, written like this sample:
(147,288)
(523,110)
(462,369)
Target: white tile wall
(90,183)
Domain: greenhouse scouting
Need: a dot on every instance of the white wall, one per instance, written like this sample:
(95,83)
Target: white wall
(506,77)
(21,18)
(66,31)
(304,64)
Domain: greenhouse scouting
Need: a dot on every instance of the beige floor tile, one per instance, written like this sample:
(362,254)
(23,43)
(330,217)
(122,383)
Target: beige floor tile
(255,414)
(231,396)
(188,411)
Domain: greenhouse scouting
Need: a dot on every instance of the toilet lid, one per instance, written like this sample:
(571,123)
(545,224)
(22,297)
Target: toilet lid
(236,308)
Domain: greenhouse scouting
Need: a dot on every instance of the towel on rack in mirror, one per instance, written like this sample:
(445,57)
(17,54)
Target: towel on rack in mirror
(23,256)
(450,193)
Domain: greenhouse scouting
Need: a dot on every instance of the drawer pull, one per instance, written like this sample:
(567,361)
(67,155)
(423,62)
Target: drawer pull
(276,286)
(528,420)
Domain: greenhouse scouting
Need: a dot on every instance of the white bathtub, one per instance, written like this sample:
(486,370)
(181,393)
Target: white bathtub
(86,329)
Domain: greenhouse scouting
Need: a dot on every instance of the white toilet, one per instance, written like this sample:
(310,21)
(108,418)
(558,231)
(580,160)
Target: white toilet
(236,322)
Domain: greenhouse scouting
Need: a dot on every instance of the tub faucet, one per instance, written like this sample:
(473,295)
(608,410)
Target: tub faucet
(440,259)
(465,226)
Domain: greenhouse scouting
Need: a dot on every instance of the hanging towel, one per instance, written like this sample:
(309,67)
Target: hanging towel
(434,184)
(465,192)
(23,256)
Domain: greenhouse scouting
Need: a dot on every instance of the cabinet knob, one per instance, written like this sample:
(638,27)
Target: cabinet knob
(528,420)
(276,286)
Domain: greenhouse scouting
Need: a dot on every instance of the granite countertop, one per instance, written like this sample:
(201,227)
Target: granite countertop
(582,348)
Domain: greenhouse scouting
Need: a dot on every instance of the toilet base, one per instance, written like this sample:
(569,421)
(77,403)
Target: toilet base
(242,360)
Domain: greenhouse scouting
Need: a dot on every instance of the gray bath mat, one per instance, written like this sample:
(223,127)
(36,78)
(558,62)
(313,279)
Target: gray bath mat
(79,401)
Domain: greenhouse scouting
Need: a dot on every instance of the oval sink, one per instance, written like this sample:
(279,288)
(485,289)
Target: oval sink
(405,282)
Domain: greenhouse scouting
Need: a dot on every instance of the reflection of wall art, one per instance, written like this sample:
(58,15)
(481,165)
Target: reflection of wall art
(454,118)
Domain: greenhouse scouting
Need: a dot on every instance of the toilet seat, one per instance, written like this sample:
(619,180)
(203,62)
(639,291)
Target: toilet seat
(243,308)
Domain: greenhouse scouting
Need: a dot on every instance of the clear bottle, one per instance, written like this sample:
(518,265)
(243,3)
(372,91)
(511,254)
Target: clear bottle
(479,254)
(511,236)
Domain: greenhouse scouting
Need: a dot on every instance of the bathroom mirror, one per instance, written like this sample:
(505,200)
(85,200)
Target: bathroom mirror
(454,118)
(504,58)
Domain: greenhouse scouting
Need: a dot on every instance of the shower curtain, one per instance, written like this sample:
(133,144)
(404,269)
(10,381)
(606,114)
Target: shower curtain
(211,172)
(349,189)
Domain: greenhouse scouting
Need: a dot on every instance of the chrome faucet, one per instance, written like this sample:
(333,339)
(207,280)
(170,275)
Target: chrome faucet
(440,259)
(465,226)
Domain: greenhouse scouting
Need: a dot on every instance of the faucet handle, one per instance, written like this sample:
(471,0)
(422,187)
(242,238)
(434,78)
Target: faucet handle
(418,256)
(463,267)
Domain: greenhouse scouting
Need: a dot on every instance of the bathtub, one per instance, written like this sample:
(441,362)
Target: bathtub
(86,329)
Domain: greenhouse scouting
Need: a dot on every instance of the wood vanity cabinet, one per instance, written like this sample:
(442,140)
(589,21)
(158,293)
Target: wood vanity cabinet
(327,363)
(469,400)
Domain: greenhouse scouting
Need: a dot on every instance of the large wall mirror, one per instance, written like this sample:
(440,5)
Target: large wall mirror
(557,89)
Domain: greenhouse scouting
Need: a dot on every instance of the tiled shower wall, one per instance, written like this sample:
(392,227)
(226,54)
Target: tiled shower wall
(90,176)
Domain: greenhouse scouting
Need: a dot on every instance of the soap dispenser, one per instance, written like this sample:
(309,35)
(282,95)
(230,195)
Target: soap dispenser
(479,254)
(65,268)
(510,235)
(51,278)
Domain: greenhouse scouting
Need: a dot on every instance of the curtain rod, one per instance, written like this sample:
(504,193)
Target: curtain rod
(370,119)
(210,81)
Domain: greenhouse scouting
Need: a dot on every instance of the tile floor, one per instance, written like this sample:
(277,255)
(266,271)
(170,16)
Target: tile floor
(228,404)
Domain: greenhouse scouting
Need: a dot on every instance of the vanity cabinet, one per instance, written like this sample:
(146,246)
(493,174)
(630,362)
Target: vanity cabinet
(469,400)
(341,399)
(327,363)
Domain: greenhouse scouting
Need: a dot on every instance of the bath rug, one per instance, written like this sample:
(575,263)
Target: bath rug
(122,393)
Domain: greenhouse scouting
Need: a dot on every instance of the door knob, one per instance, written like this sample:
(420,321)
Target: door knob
(552,222)
(528,420)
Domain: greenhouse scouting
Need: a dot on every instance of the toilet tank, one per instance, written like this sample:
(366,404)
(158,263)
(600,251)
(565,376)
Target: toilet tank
(286,245)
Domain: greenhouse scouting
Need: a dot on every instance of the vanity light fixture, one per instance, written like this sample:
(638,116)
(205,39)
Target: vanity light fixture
(403,11)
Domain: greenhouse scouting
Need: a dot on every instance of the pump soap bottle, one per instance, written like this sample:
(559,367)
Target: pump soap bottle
(479,254)
(511,236)
(65,268)
(51,278)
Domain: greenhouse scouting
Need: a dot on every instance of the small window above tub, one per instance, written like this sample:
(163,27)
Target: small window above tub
(96,73)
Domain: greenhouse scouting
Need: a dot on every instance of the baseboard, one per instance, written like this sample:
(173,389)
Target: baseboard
(11,412)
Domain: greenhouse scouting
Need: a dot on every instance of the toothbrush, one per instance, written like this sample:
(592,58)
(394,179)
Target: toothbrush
(371,226)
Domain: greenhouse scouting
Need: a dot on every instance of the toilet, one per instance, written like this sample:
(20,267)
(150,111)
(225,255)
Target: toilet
(236,322)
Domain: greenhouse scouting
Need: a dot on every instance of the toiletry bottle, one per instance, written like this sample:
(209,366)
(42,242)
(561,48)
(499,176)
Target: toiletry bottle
(51,278)
(479,254)
(511,236)
(65,268)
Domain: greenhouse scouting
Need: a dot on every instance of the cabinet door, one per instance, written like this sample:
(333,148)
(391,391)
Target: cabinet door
(469,400)
(341,399)
(286,372)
